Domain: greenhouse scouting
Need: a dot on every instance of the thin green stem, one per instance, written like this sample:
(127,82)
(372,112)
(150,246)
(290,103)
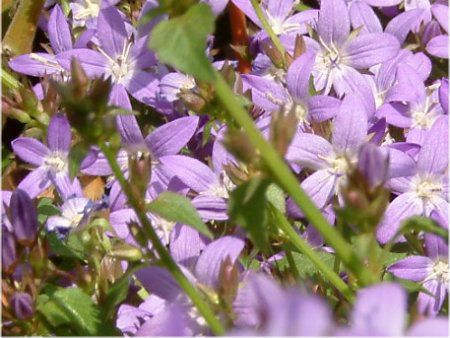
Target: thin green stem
(291,261)
(268,28)
(286,179)
(302,246)
(169,263)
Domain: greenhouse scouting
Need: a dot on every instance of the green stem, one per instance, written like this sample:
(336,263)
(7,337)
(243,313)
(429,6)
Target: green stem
(286,179)
(166,259)
(302,246)
(291,261)
(268,28)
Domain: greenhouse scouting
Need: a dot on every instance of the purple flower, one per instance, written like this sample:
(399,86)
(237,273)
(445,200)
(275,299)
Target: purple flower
(263,308)
(331,162)
(22,305)
(279,14)
(340,54)
(85,12)
(271,95)
(119,58)
(431,271)
(162,144)
(23,217)
(51,162)
(74,212)
(201,264)
(42,64)
(381,310)
(425,191)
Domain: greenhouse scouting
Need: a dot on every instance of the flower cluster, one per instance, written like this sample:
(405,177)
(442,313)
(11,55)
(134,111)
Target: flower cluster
(135,203)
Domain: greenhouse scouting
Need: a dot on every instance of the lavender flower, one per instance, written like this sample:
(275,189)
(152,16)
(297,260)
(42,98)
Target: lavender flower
(118,57)
(51,161)
(431,271)
(340,54)
(425,191)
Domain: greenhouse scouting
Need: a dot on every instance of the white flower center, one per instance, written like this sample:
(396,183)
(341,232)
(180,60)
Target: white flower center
(56,162)
(428,189)
(165,227)
(221,189)
(75,220)
(329,57)
(122,67)
(339,165)
(439,272)
(88,9)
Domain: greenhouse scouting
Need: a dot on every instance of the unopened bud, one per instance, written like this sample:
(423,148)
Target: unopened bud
(228,280)
(9,254)
(22,305)
(23,217)
(237,143)
(192,100)
(273,53)
(126,252)
(282,130)
(373,164)
(140,169)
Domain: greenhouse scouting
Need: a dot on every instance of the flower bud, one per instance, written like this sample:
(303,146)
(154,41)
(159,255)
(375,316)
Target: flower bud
(9,254)
(373,164)
(228,280)
(22,305)
(23,217)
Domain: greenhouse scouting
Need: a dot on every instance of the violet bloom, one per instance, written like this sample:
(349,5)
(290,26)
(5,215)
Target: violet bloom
(270,95)
(201,264)
(431,271)
(85,12)
(263,308)
(42,64)
(74,212)
(119,58)
(162,144)
(51,162)
(381,310)
(120,219)
(280,15)
(425,191)
(423,104)
(24,219)
(339,54)
(438,45)
(331,162)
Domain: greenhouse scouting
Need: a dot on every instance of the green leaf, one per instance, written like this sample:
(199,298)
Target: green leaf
(115,295)
(181,42)
(247,207)
(72,248)
(305,267)
(177,208)
(46,209)
(73,308)
(76,155)
(275,195)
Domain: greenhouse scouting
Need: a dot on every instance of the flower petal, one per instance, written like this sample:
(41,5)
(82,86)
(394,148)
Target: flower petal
(349,126)
(59,134)
(58,31)
(334,21)
(414,268)
(208,265)
(30,150)
(171,137)
(370,49)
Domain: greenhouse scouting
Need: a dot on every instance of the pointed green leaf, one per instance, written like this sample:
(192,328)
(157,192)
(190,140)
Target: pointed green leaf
(177,208)
(181,42)
(248,208)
